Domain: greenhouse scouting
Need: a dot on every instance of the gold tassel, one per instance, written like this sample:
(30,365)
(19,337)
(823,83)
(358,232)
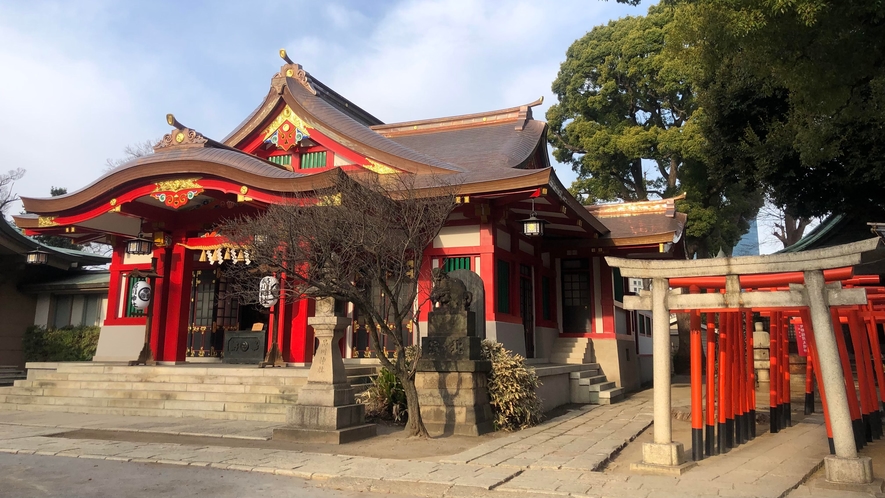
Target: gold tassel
(202,256)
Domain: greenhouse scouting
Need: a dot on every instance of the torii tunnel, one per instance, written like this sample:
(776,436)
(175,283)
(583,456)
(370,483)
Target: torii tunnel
(818,292)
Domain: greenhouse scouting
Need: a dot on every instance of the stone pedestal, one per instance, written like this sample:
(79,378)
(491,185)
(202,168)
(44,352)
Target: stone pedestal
(663,459)
(451,379)
(857,470)
(325,411)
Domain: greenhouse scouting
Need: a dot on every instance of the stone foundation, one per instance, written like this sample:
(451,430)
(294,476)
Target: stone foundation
(454,402)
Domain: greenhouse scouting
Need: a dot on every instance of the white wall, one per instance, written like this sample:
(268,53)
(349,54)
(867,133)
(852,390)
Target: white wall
(511,335)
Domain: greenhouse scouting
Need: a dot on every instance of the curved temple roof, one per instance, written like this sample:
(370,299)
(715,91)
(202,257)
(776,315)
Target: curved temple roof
(495,151)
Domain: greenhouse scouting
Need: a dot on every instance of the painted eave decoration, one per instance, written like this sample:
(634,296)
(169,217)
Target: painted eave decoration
(286,130)
(177,193)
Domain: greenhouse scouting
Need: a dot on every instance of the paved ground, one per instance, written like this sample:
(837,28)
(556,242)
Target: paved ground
(32,476)
(565,456)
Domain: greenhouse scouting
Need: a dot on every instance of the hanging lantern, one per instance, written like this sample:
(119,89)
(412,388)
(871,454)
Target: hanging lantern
(139,246)
(268,291)
(533,226)
(141,295)
(37,257)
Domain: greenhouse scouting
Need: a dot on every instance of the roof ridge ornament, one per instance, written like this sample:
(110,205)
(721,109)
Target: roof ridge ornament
(181,136)
(295,71)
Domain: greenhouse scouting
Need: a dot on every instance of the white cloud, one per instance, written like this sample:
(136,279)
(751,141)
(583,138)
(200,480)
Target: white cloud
(81,81)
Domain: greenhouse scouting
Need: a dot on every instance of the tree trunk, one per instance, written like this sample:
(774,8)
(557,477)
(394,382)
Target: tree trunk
(415,424)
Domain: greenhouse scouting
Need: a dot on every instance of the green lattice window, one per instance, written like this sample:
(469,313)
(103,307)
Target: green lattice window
(284,160)
(312,160)
(130,310)
(502,291)
(453,264)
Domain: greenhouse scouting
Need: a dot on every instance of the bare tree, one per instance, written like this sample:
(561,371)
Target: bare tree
(7,182)
(131,152)
(361,240)
(788,229)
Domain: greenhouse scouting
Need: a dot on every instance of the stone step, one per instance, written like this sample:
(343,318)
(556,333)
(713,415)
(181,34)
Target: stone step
(146,412)
(607,396)
(592,381)
(170,379)
(147,404)
(589,370)
(164,386)
(602,386)
(611,396)
(155,395)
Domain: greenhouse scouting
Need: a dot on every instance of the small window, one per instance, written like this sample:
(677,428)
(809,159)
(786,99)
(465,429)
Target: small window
(283,160)
(503,288)
(63,305)
(452,264)
(92,309)
(313,160)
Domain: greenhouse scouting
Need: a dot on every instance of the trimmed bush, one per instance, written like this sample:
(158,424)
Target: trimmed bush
(512,385)
(64,344)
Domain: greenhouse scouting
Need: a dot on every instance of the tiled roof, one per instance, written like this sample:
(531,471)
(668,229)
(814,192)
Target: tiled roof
(654,221)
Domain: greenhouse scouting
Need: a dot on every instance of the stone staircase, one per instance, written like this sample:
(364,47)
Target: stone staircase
(592,386)
(572,350)
(10,374)
(211,392)
(589,385)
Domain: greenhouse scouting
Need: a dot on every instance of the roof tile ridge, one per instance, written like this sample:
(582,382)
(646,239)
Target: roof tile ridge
(428,160)
(665,206)
(520,114)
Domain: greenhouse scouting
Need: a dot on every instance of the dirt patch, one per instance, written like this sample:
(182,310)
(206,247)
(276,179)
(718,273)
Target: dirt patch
(391,442)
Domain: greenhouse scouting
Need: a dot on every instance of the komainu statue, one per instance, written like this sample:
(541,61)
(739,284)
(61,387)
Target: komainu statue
(449,294)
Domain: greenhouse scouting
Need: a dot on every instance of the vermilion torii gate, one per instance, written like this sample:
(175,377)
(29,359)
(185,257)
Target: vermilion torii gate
(814,294)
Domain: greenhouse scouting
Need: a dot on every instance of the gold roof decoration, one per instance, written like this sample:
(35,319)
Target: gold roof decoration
(180,136)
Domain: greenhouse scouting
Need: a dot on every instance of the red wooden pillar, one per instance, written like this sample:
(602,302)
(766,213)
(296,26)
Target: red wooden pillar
(809,380)
(697,410)
(741,384)
(850,390)
(300,344)
(178,304)
(751,377)
(812,352)
(869,359)
(725,329)
(786,409)
(774,373)
(116,281)
(873,333)
(160,299)
(711,383)
(864,379)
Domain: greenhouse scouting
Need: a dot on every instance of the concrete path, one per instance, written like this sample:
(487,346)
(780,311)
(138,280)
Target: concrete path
(558,458)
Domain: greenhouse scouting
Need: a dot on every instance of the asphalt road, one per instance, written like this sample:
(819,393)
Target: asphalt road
(32,476)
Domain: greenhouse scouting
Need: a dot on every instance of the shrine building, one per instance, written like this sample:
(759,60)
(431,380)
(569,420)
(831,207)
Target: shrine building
(548,296)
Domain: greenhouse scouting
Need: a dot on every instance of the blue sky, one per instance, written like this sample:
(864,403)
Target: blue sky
(81,80)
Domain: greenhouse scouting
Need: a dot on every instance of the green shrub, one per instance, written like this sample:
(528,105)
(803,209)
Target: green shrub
(65,344)
(512,385)
(386,398)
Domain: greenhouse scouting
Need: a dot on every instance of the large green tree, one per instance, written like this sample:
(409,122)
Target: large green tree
(627,123)
(793,95)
